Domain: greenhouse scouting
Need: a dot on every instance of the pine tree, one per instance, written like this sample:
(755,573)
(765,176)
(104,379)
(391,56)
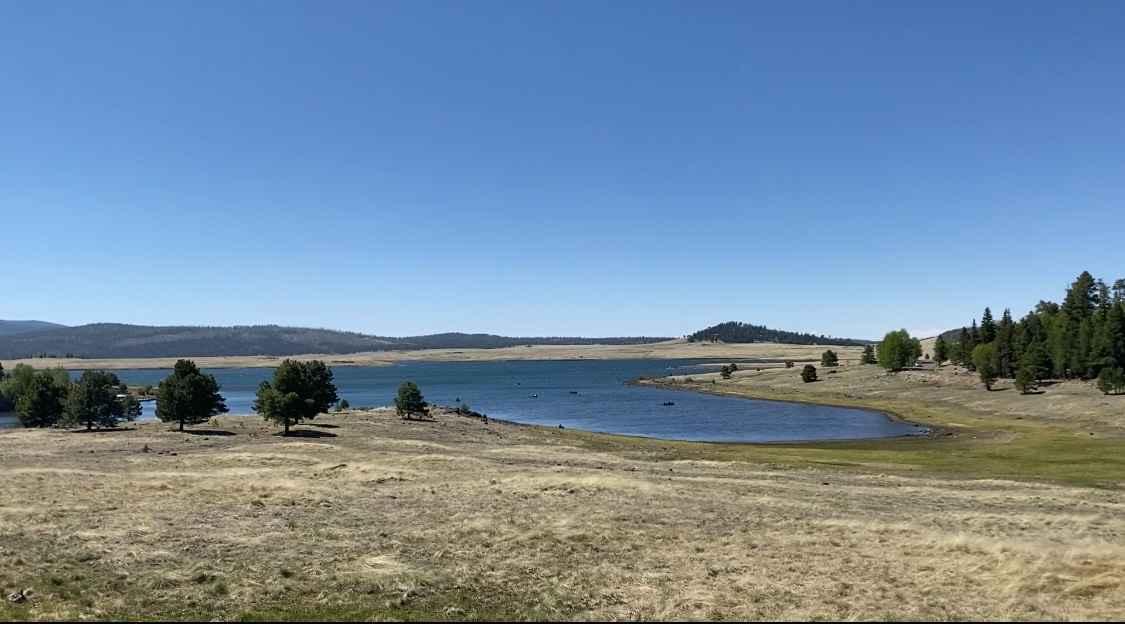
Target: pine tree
(868,356)
(987,327)
(188,396)
(941,351)
(964,346)
(299,391)
(1005,363)
(409,401)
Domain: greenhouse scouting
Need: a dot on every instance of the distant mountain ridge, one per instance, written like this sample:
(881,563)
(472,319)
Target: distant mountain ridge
(11,328)
(112,340)
(735,332)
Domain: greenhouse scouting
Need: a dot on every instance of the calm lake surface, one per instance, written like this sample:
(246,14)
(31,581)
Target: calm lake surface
(583,394)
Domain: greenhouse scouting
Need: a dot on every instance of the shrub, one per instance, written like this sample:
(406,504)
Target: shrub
(788,364)
(726,371)
(829,358)
(808,373)
(982,358)
(1025,380)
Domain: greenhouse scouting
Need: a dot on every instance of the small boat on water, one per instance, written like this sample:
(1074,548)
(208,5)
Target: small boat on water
(574,392)
(534,396)
(667,403)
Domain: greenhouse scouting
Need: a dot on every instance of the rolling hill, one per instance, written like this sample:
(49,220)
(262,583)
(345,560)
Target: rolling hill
(735,332)
(111,340)
(12,328)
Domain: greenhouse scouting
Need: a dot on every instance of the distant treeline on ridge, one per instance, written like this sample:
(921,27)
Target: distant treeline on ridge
(110,340)
(733,331)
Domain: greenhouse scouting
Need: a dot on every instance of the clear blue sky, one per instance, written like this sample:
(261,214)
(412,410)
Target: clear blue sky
(557,168)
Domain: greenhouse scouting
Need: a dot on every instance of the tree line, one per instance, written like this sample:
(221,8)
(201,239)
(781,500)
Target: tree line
(736,332)
(298,391)
(1081,338)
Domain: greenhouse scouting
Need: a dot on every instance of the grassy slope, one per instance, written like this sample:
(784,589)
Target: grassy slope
(978,434)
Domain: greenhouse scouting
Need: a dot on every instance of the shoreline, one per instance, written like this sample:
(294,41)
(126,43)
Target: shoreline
(933,431)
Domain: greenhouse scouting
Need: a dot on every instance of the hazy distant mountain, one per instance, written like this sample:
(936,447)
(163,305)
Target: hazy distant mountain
(10,328)
(733,331)
(116,340)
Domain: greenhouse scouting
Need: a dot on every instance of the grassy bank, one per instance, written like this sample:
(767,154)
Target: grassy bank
(1070,433)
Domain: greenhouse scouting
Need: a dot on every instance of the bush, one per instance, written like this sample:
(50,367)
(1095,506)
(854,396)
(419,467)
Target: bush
(788,364)
(1025,380)
(808,373)
(982,359)
(726,371)
(829,358)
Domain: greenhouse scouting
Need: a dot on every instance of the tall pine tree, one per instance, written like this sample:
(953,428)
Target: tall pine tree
(1005,363)
(987,327)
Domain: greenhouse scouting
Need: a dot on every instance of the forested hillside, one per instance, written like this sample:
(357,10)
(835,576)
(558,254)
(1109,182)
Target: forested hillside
(733,331)
(10,328)
(117,340)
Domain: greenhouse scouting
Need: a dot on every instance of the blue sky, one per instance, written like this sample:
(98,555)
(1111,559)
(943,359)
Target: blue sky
(562,168)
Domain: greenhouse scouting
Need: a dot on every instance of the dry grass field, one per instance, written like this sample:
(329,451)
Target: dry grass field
(671,349)
(368,517)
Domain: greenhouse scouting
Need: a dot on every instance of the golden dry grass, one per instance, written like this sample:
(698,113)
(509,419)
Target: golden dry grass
(672,349)
(376,518)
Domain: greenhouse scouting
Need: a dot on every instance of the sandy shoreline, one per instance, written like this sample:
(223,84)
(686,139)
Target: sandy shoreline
(673,349)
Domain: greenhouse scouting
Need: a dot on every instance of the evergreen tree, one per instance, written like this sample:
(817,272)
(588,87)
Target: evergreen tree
(1036,361)
(987,327)
(829,358)
(965,346)
(299,391)
(41,403)
(868,356)
(1005,363)
(188,396)
(92,401)
(808,373)
(409,401)
(941,352)
(1111,381)
(1058,343)
(1119,291)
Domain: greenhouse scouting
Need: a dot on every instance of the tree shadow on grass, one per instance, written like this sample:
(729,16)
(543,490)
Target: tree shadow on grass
(324,425)
(103,430)
(207,432)
(306,433)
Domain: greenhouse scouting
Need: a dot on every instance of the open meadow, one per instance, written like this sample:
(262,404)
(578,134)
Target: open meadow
(365,516)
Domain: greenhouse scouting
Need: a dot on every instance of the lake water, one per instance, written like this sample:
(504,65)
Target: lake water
(584,394)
